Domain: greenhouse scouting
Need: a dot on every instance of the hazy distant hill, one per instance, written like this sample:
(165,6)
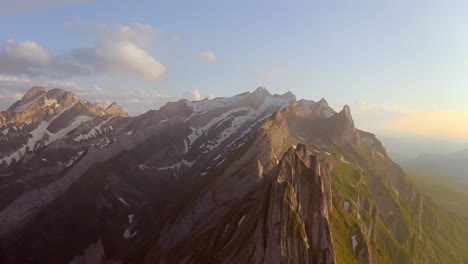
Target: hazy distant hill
(453,166)
(402,149)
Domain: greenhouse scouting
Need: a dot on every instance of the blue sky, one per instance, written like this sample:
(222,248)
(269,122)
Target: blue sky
(400,65)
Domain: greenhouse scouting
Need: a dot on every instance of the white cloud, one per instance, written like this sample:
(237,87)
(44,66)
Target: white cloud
(30,58)
(126,59)
(193,95)
(8,7)
(119,51)
(196,95)
(139,34)
(22,57)
(207,56)
(18,96)
(123,51)
(26,51)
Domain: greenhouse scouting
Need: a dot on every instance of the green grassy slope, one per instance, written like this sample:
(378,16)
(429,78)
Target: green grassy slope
(450,195)
(403,237)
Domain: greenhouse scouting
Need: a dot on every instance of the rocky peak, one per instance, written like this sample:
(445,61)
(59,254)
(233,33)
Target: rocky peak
(33,93)
(117,110)
(29,96)
(289,95)
(261,92)
(323,102)
(345,114)
(342,125)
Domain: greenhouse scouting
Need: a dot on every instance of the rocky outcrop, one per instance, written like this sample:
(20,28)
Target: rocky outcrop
(297,228)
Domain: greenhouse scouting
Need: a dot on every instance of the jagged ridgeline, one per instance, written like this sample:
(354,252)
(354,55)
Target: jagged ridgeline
(253,178)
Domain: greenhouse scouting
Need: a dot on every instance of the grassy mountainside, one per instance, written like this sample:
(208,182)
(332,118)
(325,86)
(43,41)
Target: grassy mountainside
(449,195)
(394,229)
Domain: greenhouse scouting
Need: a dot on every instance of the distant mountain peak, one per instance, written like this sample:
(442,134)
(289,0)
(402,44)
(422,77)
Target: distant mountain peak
(261,91)
(115,109)
(323,102)
(289,95)
(34,92)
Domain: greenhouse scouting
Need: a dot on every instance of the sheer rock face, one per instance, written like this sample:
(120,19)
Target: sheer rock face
(297,228)
(253,178)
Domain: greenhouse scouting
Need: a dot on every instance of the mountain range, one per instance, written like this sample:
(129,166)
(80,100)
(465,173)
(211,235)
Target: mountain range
(252,178)
(406,149)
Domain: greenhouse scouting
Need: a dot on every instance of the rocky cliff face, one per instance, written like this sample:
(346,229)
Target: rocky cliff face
(253,178)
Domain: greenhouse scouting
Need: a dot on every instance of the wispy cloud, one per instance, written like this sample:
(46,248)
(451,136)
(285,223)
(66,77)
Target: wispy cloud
(196,95)
(207,56)
(394,119)
(25,6)
(447,124)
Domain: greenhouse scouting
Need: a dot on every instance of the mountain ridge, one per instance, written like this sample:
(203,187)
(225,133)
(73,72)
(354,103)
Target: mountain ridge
(253,178)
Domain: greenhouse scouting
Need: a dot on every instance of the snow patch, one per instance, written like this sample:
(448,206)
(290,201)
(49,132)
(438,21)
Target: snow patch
(40,131)
(241,220)
(225,230)
(197,132)
(355,243)
(127,234)
(207,105)
(77,121)
(143,167)
(124,202)
(328,113)
(95,131)
(49,102)
(346,206)
(188,163)
(237,121)
(344,160)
